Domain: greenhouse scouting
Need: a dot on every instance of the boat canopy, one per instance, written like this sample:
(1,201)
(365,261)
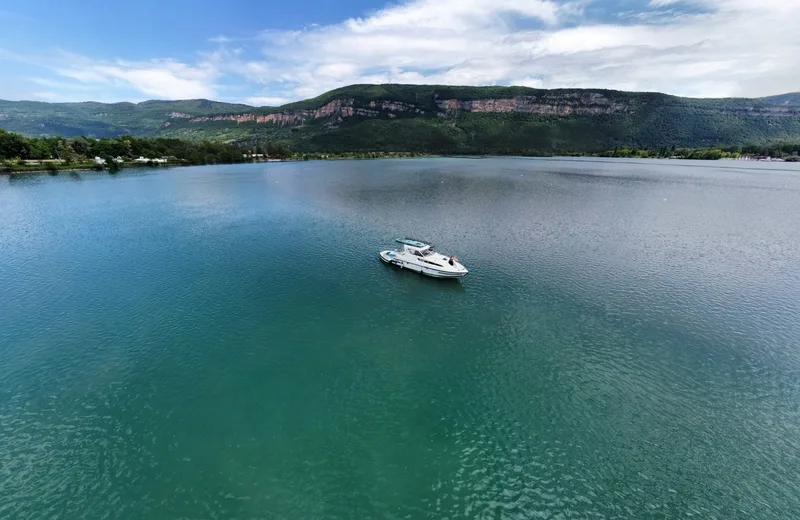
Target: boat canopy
(411,242)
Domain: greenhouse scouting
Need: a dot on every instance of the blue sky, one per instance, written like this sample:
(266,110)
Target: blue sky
(267,52)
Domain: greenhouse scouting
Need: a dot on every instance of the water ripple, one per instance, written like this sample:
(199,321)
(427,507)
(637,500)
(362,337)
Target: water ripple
(223,342)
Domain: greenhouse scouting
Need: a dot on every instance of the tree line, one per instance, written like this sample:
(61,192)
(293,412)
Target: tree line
(78,150)
(786,151)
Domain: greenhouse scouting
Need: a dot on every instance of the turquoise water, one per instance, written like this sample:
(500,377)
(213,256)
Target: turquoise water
(222,342)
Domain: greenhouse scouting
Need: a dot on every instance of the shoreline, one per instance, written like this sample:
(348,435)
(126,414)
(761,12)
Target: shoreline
(10,170)
(14,169)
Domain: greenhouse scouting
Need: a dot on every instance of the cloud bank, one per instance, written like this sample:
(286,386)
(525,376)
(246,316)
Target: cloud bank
(704,48)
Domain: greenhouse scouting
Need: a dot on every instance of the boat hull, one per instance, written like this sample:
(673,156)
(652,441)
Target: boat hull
(392,258)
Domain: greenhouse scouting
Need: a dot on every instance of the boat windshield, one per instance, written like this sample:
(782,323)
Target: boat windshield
(428,252)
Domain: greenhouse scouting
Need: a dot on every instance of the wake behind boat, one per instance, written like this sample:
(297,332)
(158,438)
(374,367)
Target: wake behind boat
(420,257)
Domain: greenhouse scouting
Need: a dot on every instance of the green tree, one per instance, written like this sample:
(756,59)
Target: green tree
(16,147)
(13,145)
(278,151)
(82,147)
(39,149)
(65,152)
(112,164)
(128,148)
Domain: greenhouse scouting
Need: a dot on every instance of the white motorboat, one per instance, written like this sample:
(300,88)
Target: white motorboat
(420,257)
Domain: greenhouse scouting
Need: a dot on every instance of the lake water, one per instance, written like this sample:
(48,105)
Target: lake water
(223,342)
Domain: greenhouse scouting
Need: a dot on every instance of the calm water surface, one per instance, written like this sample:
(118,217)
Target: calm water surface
(222,342)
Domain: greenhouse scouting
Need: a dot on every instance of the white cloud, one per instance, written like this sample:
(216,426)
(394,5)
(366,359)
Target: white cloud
(698,47)
(266,101)
(705,48)
(459,15)
(255,71)
(45,96)
(62,86)
(44,82)
(10,56)
(337,70)
(159,78)
(168,80)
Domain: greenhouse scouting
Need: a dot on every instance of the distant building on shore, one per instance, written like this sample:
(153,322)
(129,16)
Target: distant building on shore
(145,160)
(765,158)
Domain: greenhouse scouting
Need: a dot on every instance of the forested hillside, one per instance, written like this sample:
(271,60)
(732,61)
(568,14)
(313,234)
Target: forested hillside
(435,119)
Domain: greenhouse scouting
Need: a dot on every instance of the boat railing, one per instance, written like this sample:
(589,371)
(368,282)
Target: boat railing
(409,239)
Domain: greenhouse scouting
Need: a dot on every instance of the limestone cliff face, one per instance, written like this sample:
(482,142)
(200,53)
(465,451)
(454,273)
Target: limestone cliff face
(779,111)
(337,109)
(557,105)
(554,103)
(578,103)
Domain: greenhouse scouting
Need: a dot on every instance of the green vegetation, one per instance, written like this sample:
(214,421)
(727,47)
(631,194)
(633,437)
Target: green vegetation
(560,123)
(356,155)
(19,153)
(34,118)
(525,134)
(274,151)
(645,121)
(786,151)
(419,95)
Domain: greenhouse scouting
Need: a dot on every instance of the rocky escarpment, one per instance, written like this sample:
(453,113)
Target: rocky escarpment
(578,103)
(593,104)
(337,109)
(758,111)
(552,103)
(435,117)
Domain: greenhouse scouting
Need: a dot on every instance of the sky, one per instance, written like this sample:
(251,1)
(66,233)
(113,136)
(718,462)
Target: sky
(268,52)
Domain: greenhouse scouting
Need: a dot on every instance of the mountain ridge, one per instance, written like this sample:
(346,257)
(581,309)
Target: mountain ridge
(791,97)
(431,118)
